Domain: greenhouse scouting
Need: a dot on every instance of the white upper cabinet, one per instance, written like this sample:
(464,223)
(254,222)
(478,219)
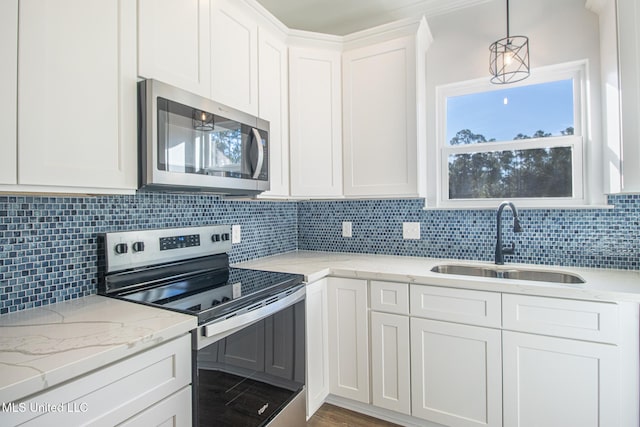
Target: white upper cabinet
(274,107)
(234,56)
(173,43)
(620,69)
(383,92)
(629,60)
(8,93)
(315,122)
(77,94)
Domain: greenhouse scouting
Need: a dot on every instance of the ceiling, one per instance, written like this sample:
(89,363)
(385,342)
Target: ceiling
(341,17)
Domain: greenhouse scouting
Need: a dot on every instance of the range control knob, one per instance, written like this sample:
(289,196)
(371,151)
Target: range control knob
(225,299)
(215,302)
(225,236)
(138,246)
(215,238)
(121,248)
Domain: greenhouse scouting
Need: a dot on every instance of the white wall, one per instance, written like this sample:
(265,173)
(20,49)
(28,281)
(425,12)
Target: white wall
(558,30)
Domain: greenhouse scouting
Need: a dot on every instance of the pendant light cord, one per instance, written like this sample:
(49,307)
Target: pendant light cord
(507,19)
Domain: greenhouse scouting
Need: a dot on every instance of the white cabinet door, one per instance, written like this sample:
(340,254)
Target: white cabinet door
(77,93)
(116,392)
(555,382)
(274,107)
(8,92)
(629,61)
(173,43)
(175,410)
(456,374)
(348,339)
(380,130)
(315,122)
(390,377)
(234,56)
(317,340)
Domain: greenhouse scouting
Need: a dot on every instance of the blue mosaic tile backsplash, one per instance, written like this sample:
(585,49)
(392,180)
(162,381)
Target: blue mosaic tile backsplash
(600,238)
(48,245)
(48,249)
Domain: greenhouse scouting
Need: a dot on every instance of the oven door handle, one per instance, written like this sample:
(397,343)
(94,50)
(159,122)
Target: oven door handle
(228,326)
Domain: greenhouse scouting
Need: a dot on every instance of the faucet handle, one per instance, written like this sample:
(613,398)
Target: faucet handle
(506,250)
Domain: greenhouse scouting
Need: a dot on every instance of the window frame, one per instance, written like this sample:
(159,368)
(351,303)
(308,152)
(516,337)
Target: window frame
(578,72)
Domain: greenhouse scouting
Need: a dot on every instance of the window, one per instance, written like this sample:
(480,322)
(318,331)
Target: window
(522,142)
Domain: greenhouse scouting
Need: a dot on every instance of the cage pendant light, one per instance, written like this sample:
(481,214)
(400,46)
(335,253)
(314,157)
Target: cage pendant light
(509,61)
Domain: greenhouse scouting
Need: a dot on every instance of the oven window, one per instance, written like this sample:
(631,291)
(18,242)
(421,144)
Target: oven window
(246,378)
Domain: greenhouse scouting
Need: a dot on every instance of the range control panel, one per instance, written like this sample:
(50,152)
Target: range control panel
(131,249)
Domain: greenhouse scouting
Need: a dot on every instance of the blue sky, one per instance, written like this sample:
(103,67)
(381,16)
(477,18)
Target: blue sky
(546,106)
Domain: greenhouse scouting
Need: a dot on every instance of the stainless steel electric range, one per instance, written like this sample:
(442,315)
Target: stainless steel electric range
(248,349)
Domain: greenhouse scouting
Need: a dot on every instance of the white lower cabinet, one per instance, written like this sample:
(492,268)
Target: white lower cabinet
(456,373)
(348,339)
(175,411)
(153,386)
(390,367)
(317,341)
(556,382)
(468,358)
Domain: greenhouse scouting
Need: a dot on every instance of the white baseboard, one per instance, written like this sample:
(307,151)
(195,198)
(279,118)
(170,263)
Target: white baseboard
(380,413)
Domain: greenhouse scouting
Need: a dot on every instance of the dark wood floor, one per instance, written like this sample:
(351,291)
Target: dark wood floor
(334,416)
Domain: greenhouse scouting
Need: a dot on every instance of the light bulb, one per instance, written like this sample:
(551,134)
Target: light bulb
(508,57)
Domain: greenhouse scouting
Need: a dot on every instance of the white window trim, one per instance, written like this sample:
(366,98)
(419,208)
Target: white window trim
(578,71)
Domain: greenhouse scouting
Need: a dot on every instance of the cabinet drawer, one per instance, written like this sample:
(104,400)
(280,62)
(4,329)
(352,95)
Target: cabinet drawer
(390,297)
(456,305)
(584,320)
(113,394)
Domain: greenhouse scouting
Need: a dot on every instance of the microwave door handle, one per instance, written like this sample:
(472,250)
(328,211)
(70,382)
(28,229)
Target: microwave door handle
(258,140)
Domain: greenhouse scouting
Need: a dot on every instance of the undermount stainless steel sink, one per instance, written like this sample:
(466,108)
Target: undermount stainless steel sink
(508,273)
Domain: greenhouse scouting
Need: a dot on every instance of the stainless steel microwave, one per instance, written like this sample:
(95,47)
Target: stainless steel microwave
(191,143)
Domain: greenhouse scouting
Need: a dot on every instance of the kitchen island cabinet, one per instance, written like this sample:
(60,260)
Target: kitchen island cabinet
(77,95)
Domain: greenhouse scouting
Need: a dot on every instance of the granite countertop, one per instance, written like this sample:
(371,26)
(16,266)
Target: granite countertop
(45,346)
(601,285)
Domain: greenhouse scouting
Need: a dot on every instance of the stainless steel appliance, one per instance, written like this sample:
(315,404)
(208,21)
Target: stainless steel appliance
(187,142)
(248,349)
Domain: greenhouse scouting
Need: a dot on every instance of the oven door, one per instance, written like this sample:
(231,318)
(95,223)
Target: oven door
(250,371)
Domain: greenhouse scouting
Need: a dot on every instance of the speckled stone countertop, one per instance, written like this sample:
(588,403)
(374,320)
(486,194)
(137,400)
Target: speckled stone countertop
(600,285)
(45,346)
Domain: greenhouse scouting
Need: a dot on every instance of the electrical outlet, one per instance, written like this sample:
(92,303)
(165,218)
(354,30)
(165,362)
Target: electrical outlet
(411,230)
(235,234)
(346,229)
(236,290)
